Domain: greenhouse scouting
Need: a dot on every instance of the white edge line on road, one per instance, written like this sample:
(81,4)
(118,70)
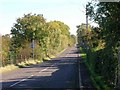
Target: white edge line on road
(29,76)
(17,82)
(80,83)
(39,72)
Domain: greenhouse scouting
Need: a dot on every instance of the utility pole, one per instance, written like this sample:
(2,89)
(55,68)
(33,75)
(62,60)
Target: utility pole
(86,26)
(86,19)
(87,47)
(33,46)
(33,49)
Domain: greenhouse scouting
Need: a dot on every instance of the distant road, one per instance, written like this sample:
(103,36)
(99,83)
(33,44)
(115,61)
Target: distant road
(61,72)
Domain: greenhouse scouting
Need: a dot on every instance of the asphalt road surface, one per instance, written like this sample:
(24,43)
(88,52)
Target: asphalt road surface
(60,72)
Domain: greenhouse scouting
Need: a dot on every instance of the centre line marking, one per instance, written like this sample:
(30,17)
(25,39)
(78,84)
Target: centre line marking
(39,72)
(17,82)
(32,75)
(29,76)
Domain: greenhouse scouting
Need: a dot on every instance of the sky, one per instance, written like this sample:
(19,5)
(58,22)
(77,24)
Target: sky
(71,12)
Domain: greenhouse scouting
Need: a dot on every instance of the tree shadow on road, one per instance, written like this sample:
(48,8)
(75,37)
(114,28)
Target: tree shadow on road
(61,74)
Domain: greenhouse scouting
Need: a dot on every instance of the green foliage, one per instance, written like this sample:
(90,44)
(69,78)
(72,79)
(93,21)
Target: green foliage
(105,40)
(88,38)
(72,40)
(49,39)
(107,16)
(98,81)
(5,49)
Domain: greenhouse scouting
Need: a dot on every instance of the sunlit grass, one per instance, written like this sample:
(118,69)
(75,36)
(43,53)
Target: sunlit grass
(52,56)
(8,68)
(25,63)
(29,62)
(97,48)
(46,59)
(19,65)
(82,54)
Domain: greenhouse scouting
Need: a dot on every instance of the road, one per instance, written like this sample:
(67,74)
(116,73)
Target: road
(60,72)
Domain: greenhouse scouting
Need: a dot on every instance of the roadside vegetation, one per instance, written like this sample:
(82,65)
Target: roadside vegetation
(34,40)
(102,44)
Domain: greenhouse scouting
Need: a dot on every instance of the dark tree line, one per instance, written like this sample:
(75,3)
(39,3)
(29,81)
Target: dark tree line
(105,37)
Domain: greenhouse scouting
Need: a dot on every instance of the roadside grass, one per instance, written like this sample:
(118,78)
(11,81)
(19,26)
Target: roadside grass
(89,61)
(60,51)
(19,65)
(52,56)
(26,63)
(8,68)
(46,59)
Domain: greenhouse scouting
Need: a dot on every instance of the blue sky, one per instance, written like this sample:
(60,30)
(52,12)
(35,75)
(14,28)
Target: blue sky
(68,11)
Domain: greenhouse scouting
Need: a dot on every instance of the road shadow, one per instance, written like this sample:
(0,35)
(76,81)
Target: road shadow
(62,75)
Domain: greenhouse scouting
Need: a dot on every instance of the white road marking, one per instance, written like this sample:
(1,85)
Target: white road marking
(65,56)
(32,75)
(17,82)
(29,76)
(43,69)
(39,72)
(80,83)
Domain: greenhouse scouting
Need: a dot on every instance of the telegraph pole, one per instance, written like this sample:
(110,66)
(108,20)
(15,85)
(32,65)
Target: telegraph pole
(87,47)
(86,19)
(86,26)
(33,46)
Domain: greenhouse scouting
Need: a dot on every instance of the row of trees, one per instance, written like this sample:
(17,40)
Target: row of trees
(105,38)
(32,32)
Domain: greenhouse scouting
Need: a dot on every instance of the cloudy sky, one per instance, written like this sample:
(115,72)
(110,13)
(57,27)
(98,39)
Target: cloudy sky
(71,12)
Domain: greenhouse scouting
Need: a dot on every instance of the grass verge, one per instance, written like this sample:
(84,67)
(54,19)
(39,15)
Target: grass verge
(8,68)
(97,80)
(19,65)
(28,62)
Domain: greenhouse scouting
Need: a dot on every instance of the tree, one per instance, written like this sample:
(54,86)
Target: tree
(5,49)
(72,40)
(28,28)
(58,34)
(107,15)
(49,37)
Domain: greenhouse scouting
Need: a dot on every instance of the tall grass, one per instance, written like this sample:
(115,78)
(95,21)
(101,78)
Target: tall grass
(8,68)
(25,63)
(89,60)
(19,65)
